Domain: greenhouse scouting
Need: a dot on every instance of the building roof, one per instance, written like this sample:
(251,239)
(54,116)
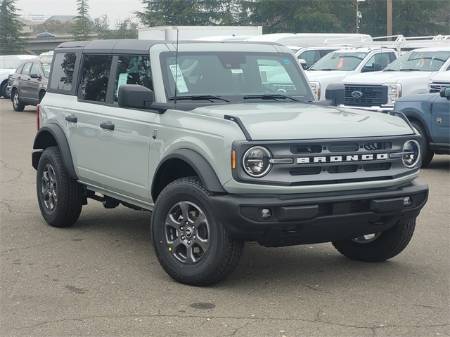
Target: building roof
(61,18)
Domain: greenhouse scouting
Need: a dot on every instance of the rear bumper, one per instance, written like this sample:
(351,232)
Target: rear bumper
(320,217)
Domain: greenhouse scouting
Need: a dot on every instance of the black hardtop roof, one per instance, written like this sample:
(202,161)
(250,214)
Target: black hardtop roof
(133,45)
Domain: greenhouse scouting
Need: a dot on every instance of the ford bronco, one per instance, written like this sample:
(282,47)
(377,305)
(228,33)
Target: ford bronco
(223,144)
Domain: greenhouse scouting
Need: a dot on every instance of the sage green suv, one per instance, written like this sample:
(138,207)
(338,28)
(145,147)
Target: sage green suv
(222,143)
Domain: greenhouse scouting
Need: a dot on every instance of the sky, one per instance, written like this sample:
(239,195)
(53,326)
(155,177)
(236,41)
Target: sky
(115,9)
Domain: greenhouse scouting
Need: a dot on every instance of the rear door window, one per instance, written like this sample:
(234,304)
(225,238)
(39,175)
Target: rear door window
(94,77)
(35,69)
(133,69)
(62,72)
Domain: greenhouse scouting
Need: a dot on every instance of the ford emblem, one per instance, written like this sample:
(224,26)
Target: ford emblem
(357,94)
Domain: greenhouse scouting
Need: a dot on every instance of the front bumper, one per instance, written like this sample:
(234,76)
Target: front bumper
(383,108)
(320,217)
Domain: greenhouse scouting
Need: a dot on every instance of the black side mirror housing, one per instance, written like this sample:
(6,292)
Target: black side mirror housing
(445,92)
(135,96)
(335,94)
(35,76)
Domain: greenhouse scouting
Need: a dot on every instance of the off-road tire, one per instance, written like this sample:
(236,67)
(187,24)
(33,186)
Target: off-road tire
(427,154)
(69,193)
(17,103)
(3,89)
(223,253)
(389,244)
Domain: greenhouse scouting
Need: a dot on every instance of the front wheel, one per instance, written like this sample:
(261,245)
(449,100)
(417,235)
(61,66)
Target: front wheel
(16,102)
(191,244)
(378,247)
(427,154)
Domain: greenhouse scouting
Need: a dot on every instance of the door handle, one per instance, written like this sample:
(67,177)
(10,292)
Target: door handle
(107,126)
(71,118)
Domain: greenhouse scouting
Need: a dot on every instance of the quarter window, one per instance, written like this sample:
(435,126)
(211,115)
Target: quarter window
(62,72)
(94,77)
(133,69)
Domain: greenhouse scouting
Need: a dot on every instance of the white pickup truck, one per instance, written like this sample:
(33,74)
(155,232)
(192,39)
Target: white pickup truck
(336,66)
(439,81)
(408,75)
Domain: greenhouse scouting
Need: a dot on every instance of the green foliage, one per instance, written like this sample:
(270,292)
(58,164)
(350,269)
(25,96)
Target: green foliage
(82,24)
(10,29)
(126,29)
(411,17)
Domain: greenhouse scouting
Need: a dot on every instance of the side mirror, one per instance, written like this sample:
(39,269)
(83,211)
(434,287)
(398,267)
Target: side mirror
(37,76)
(445,92)
(135,96)
(303,63)
(335,94)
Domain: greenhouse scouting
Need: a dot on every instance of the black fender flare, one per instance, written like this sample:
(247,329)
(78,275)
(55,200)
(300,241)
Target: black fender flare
(199,164)
(415,115)
(43,140)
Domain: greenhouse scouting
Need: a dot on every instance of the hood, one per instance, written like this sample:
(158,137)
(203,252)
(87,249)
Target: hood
(327,75)
(381,77)
(282,121)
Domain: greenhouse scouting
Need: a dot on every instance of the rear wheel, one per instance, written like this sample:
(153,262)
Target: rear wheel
(427,154)
(3,89)
(17,103)
(192,246)
(378,247)
(60,197)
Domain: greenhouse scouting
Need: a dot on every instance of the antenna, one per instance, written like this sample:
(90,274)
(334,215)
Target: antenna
(176,72)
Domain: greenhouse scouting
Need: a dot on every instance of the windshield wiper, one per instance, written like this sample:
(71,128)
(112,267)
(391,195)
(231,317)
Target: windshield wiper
(271,96)
(199,98)
(409,69)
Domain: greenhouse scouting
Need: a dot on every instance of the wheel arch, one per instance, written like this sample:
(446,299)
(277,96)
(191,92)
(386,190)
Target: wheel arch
(415,116)
(53,135)
(183,163)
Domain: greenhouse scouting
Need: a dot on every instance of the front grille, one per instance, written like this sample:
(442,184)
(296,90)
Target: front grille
(365,95)
(437,86)
(329,161)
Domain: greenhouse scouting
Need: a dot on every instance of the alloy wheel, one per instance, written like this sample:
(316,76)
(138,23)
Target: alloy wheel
(187,232)
(49,187)
(367,238)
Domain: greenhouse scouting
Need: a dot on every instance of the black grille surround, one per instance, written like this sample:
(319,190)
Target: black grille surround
(365,95)
(386,163)
(437,86)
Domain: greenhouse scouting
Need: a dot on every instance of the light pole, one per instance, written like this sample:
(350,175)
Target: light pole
(358,15)
(389,18)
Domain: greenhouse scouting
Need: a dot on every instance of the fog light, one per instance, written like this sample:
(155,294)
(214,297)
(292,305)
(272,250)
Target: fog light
(407,201)
(266,213)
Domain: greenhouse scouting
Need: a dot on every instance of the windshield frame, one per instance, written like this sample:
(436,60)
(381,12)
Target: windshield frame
(329,55)
(169,96)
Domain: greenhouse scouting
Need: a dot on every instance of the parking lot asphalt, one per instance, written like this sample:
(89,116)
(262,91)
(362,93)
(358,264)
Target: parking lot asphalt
(101,277)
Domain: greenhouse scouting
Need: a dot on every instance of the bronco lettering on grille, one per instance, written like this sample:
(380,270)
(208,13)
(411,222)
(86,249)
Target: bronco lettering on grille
(344,158)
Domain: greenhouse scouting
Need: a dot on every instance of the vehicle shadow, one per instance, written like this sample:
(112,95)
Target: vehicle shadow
(318,268)
(441,162)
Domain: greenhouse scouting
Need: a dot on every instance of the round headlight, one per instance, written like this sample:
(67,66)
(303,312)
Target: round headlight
(256,161)
(411,153)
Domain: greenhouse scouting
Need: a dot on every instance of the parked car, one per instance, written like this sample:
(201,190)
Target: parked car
(8,64)
(430,115)
(409,75)
(307,56)
(205,136)
(439,81)
(29,83)
(336,66)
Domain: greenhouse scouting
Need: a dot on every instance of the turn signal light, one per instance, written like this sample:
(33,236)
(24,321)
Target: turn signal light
(233,159)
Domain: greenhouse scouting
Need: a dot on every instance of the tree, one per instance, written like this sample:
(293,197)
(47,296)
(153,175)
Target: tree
(10,29)
(192,12)
(82,23)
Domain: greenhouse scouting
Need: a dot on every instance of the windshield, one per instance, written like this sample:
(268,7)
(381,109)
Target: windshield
(340,61)
(233,75)
(419,61)
(46,69)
